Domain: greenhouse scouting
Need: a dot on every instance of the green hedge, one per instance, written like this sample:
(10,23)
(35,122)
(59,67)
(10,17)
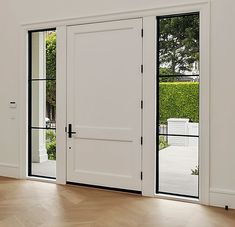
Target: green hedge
(51,144)
(179,100)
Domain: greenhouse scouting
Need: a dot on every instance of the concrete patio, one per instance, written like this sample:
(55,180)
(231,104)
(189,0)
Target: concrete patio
(175,167)
(46,169)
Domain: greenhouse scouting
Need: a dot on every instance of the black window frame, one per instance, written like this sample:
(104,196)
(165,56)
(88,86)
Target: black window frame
(30,81)
(158,76)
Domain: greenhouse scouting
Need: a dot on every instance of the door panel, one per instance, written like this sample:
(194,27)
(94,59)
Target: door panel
(104,94)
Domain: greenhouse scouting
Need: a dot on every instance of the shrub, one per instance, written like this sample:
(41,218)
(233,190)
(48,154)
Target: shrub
(50,135)
(162,143)
(51,144)
(179,100)
(51,150)
(195,171)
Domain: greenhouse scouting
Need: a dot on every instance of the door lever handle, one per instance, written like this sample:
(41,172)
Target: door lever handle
(70,131)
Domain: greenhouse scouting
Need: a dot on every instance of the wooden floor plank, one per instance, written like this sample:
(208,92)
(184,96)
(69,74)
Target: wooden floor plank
(25,203)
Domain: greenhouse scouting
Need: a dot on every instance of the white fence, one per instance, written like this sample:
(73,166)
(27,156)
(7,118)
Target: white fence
(182,126)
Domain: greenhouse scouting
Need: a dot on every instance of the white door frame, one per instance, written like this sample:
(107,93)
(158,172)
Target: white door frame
(104,132)
(149,94)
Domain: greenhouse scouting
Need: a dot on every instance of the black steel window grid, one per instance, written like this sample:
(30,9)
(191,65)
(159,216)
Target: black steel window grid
(181,75)
(178,135)
(158,75)
(46,79)
(30,81)
(43,128)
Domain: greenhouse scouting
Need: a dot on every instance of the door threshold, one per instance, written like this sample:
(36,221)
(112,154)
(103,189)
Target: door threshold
(41,179)
(104,188)
(177,198)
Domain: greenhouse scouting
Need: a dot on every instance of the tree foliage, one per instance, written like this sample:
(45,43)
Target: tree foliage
(51,55)
(179,43)
(51,72)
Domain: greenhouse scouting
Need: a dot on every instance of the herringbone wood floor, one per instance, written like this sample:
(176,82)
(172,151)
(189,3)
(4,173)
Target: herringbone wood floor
(31,204)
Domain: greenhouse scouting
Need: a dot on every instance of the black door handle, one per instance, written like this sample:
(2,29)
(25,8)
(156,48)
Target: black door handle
(70,132)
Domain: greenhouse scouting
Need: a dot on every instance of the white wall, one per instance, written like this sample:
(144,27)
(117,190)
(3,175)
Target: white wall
(222,102)
(9,138)
(222,153)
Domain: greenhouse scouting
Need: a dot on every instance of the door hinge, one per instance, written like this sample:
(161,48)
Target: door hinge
(65,129)
(142,69)
(142,104)
(141,175)
(142,32)
(141,140)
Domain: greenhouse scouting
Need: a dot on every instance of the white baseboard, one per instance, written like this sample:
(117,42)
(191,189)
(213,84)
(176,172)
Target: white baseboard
(222,198)
(9,170)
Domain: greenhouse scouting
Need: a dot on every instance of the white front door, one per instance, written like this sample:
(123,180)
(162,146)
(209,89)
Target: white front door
(104,91)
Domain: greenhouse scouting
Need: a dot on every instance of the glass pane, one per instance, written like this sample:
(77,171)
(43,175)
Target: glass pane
(179,45)
(178,104)
(178,165)
(179,107)
(44,104)
(44,55)
(43,152)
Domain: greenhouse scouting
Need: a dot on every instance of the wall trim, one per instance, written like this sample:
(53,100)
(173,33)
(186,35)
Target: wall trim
(149,107)
(9,170)
(23,107)
(222,191)
(204,126)
(130,14)
(9,165)
(61,106)
(222,198)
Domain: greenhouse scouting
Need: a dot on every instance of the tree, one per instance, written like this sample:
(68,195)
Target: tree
(51,74)
(179,43)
